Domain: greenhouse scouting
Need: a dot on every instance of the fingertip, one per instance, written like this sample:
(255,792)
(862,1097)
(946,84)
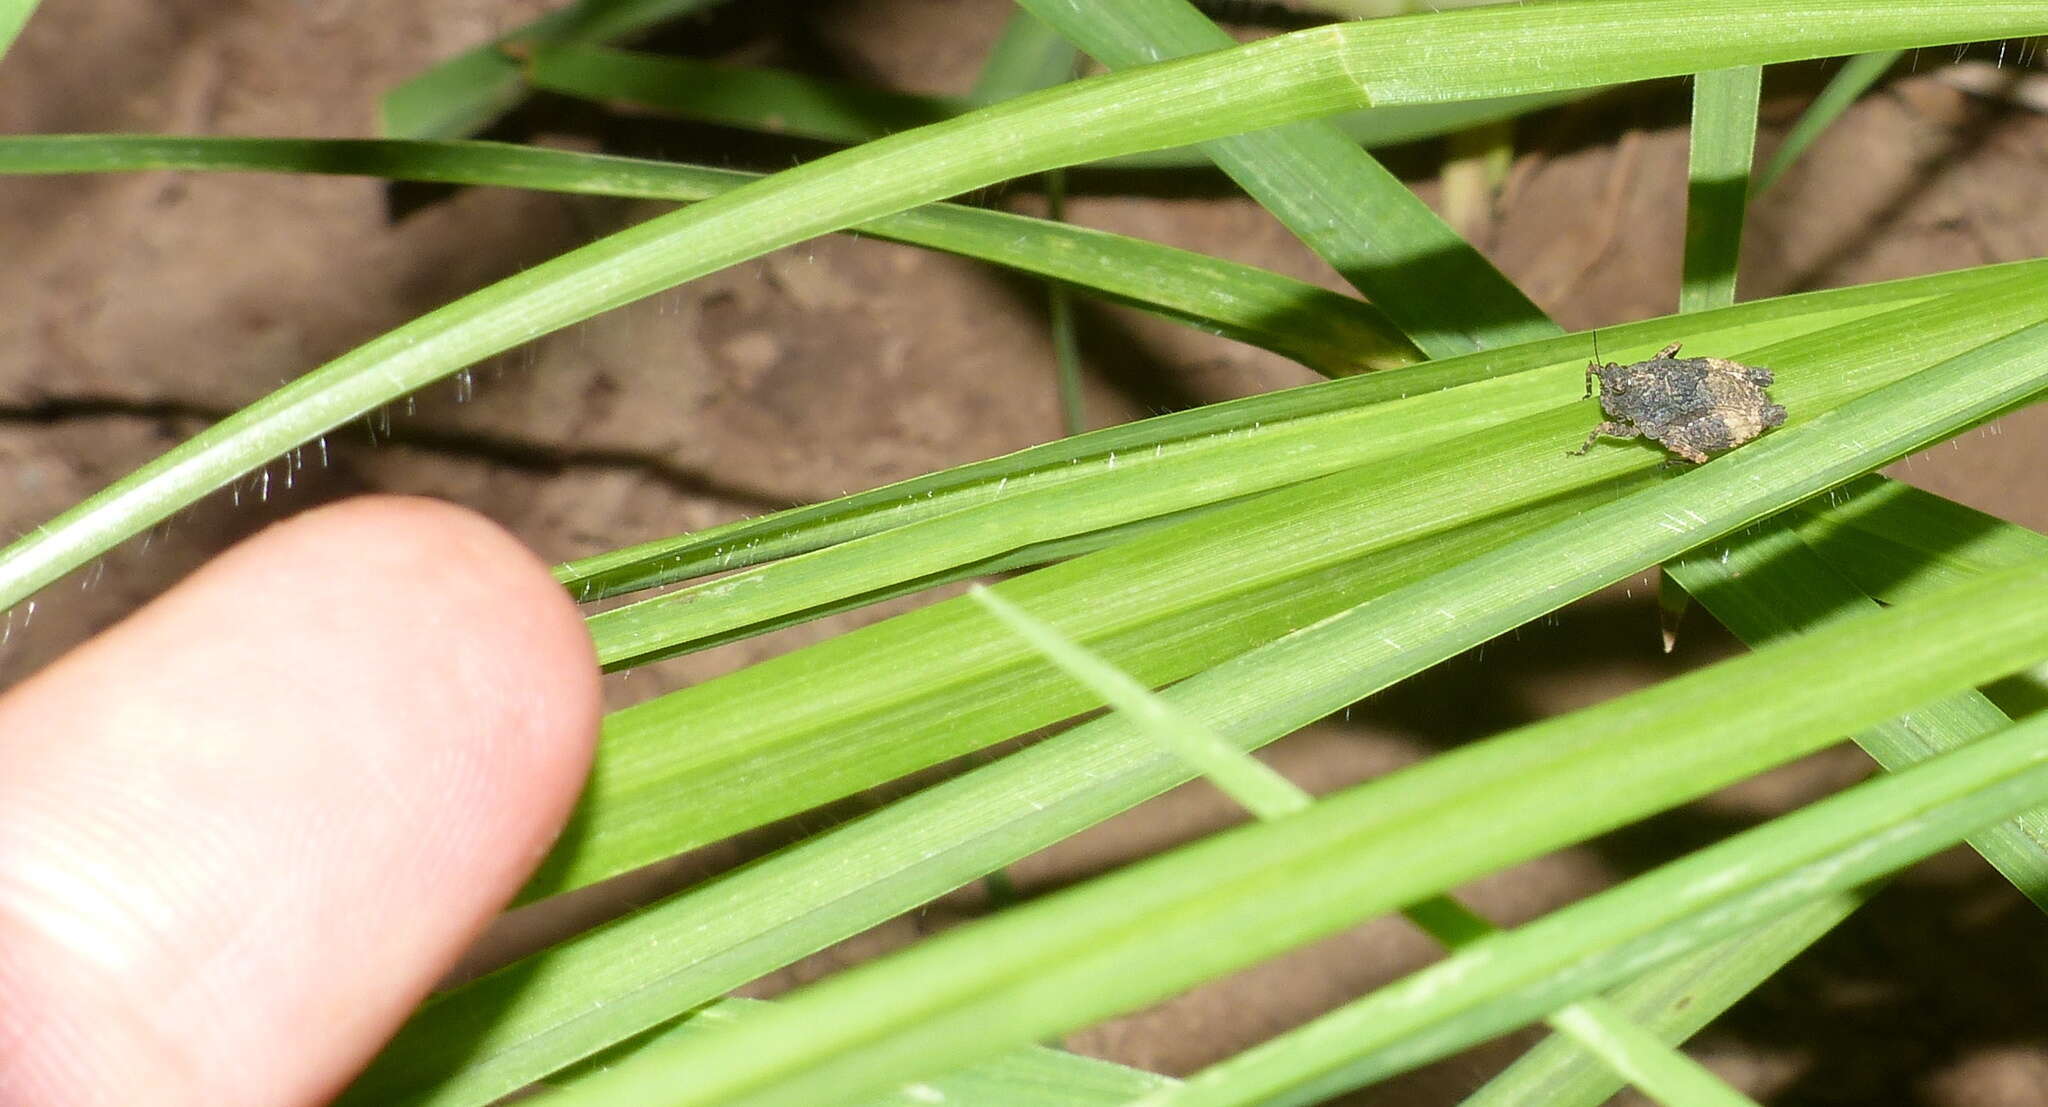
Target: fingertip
(244,831)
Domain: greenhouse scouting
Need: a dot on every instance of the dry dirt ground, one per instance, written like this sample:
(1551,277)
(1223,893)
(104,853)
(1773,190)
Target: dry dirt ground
(137,308)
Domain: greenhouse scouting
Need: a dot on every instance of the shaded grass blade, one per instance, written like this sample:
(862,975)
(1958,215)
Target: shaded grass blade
(773,101)
(1335,335)
(1717,195)
(468,92)
(1856,77)
(1334,196)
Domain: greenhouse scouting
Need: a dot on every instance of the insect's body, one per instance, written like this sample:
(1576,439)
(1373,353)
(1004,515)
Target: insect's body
(1694,406)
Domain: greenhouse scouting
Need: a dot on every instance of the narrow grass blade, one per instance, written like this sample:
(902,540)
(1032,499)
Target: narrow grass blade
(770,100)
(1251,783)
(1230,900)
(1827,849)
(540,1015)
(13,17)
(1766,585)
(468,92)
(1334,196)
(1028,56)
(1668,1077)
(1333,334)
(926,686)
(800,530)
(1029,1077)
(1717,195)
(1856,77)
(1287,78)
(609,984)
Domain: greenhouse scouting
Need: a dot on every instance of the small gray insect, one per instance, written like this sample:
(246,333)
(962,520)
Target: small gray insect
(1693,406)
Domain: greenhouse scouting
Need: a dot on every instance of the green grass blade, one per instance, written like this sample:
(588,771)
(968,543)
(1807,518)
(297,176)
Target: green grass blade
(1826,849)
(1674,1000)
(1335,335)
(1249,782)
(13,17)
(1717,195)
(1767,585)
(529,1019)
(607,985)
(468,92)
(924,687)
(1333,195)
(1028,56)
(1668,1077)
(769,100)
(1085,458)
(1277,80)
(1233,899)
(1856,77)
(1029,1077)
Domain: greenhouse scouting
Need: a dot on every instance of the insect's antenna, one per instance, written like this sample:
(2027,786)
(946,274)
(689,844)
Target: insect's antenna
(1596,347)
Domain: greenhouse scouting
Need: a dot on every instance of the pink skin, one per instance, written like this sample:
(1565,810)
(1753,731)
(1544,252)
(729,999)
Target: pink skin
(243,832)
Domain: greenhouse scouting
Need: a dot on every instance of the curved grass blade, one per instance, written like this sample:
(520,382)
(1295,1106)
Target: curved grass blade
(1276,80)
(1230,900)
(774,101)
(1856,77)
(1333,334)
(1333,195)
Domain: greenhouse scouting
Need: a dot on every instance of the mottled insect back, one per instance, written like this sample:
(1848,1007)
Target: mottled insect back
(1692,406)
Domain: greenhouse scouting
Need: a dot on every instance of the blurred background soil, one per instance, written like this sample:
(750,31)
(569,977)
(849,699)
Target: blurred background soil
(138,308)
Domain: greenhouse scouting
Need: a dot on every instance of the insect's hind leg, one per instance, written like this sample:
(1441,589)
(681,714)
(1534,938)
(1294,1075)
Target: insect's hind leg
(1610,429)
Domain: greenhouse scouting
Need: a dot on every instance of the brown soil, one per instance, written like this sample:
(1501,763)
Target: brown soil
(140,307)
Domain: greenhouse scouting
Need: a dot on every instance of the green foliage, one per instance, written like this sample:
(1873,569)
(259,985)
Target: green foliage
(1263,562)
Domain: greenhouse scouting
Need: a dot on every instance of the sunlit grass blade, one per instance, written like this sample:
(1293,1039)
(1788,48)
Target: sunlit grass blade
(13,17)
(468,92)
(1717,196)
(1758,876)
(1333,195)
(1333,334)
(776,101)
(1029,1077)
(1855,78)
(1896,541)
(543,1014)
(895,697)
(770,100)
(1230,900)
(1767,585)
(1667,1076)
(1277,80)
(609,984)
(1222,430)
